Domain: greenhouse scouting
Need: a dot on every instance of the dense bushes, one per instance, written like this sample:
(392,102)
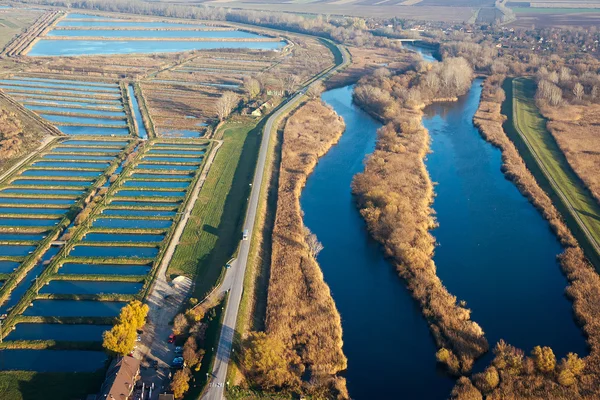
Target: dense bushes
(394,194)
(301,350)
(11,131)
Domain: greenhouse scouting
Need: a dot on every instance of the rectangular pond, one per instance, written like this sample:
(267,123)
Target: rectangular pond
(61,86)
(140,213)
(81,105)
(50,182)
(122,237)
(179,133)
(77,157)
(93,131)
(104,269)
(28,222)
(32,210)
(67,119)
(178,152)
(52,360)
(142,203)
(167,167)
(95,143)
(75,308)
(86,111)
(118,223)
(59,172)
(142,133)
(7,267)
(29,78)
(60,92)
(69,164)
(158,184)
(125,24)
(79,97)
(113,251)
(149,193)
(177,159)
(12,250)
(34,200)
(91,287)
(85,149)
(21,237)
(65,192)
(65,48)
(59,332)
(152,34)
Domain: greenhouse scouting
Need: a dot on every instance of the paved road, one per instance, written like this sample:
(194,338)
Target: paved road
(154,346)
(234,279)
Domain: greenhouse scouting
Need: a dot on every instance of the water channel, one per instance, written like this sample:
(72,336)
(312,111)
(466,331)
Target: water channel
(495,251)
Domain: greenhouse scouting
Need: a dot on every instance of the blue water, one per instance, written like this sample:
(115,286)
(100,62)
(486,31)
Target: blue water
(132,223)
(198,146)
(140,213)
(76,98)
(91,287)
(89,88)
(169,167)
(21,237)
(83,106)
(77,111)
(104,269)
(74,308)
(42,191)
(152,34)
(160,176)
(28,222)
(142,133)
(65,48)
(85,16)
(158,158)
(52,360)
(156,184)
(77,157)
(122,237)
(83,120)
(32,210)
(45,182)
(84,149)
(114,251)
(176,152)
(144,203)
(495,250)
(29,280)
(6,267)
(148,193)
(123,24)
(58,172)
(69,332)
(93,131)
(64,81)
(386,338)
(57,91)
(34,200)
(107,143)
(12,250)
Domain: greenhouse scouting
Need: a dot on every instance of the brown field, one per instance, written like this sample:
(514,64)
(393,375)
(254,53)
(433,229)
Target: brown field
(577,132)
(545,20)
(300,309)
(13,21)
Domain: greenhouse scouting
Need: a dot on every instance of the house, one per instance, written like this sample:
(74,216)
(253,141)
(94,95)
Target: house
(120,379)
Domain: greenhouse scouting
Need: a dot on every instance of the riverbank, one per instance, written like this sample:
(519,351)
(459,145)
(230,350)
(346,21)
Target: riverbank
(300,311)
(523,377)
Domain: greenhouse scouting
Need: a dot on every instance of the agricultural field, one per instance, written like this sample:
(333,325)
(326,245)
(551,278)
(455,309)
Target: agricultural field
(549,13)
(13,21)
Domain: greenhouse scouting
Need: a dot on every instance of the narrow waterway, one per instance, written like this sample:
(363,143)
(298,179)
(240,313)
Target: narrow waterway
(494,248)
(386,338)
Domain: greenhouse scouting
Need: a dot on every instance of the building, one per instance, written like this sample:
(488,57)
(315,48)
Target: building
(120,379)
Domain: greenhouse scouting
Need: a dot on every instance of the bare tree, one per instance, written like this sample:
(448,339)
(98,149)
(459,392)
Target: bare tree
(315,90)
(252,86)
(226,104)
(578,91)
(291,81)
(314,246)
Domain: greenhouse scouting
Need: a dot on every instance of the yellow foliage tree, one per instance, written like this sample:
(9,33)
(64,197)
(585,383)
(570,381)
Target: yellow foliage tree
(566,377)
(264,358)
(573,363)
(119,340)
(180,383)
(544,359)
(134,314)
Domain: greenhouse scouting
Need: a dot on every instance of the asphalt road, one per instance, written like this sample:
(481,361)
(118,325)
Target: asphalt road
(234,279)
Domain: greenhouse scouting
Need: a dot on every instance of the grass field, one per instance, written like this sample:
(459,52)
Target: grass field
(572,192)
(214,228)
(13,21)
(553,10)
(21,385)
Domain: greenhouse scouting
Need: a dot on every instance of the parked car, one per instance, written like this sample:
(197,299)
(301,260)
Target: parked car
(155,364)
(171,338)
(138,338)
(177,362)
(178,350)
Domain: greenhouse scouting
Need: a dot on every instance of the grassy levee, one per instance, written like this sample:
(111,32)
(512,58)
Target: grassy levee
(51,345)
(148,123)
(25,385)
(550,167)
(214,228)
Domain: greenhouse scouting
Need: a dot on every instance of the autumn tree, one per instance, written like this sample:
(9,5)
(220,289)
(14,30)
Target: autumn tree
(226,104)
(314,91)
(252,86)
(180,324)
(578,91)
(119,340)
(135,314)
(570,368)
(544,358)
(314,246)
(264,359)
(180,383)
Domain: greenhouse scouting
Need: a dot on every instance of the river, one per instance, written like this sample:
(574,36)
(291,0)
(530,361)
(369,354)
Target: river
(495,251)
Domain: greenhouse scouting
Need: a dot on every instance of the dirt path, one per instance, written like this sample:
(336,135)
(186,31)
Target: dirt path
(45,141)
